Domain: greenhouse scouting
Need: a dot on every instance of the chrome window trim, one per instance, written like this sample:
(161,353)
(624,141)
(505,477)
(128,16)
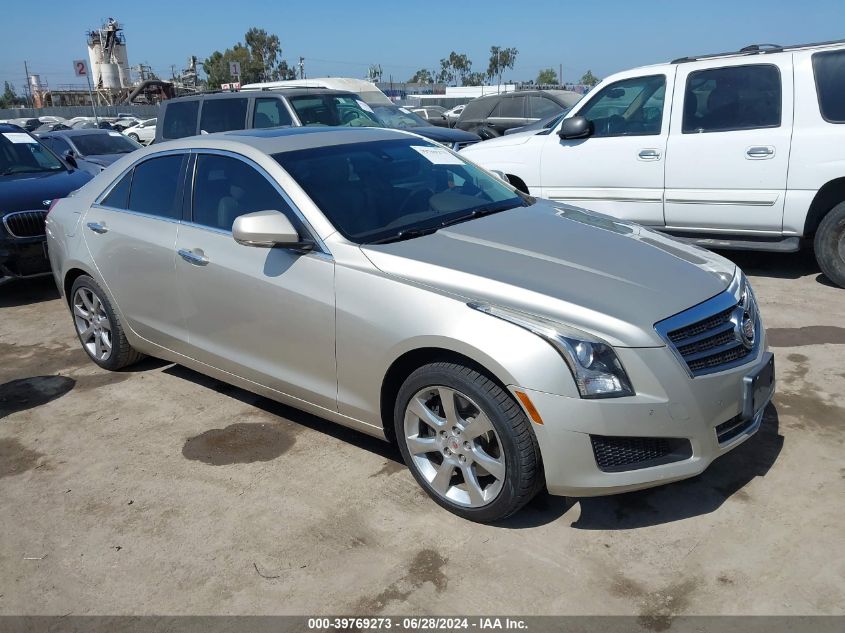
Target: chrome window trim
(98,201)
(263,172)
(139,214)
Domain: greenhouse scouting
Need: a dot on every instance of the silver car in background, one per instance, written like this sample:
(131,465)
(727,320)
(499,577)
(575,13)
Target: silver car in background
(380,281)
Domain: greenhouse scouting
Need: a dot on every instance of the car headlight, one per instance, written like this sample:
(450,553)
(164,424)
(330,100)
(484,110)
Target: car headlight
(597,371)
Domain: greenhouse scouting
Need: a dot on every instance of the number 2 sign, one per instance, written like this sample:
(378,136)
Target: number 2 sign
(80,68)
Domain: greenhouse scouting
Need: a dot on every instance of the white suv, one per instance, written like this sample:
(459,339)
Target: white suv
(740,150)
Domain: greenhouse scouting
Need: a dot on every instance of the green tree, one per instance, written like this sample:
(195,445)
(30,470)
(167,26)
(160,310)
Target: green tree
(547,76)
(260,58)
(9,97)
(474,79)
(501,59)
(422,76)
(446,74)
(462,66)
(589,79)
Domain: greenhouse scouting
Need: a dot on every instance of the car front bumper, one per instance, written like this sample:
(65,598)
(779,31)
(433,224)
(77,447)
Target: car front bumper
(670,410)
(23,258)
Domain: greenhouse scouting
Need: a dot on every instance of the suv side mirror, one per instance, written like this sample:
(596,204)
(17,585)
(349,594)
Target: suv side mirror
(267,229)
(576,127)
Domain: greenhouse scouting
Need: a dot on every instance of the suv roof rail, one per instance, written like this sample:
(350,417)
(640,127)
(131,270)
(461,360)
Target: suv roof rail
(755,49)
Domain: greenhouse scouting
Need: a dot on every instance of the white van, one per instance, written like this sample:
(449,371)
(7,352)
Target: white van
(740,150)
(367,90)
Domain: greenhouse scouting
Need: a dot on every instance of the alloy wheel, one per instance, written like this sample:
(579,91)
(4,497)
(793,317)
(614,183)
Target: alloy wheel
(454,446)
(92,324)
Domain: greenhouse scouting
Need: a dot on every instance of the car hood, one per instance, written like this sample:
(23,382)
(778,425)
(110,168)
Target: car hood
(25,192)
(611,278)
(509,140)
(444,134)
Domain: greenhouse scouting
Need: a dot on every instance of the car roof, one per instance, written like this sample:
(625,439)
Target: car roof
(279,140)
(287,92)
(10,127)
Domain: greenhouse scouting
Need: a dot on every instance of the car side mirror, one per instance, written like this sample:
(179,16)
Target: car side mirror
(70,158)
(267,229)
(576,127)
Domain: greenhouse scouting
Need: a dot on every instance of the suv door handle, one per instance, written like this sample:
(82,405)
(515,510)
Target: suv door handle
(193,258)
(97,227)
(760,151)
(649,154)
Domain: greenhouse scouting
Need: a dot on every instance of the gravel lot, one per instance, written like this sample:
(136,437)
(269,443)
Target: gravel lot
(161,491)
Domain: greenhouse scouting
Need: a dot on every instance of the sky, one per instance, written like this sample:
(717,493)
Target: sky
(342,38)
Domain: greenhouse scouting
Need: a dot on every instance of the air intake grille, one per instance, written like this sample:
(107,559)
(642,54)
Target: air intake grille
(616,454)
(716,335)
(25,223)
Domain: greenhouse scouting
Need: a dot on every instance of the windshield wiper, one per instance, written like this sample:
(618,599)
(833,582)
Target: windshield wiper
(407,234)
(481,211)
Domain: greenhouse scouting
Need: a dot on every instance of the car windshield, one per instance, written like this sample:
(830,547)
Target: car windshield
(107,143)
(391,190)
(396,117)
(21,153)
(333,110)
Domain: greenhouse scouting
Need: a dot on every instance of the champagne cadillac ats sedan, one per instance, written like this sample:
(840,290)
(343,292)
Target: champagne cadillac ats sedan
(379,280)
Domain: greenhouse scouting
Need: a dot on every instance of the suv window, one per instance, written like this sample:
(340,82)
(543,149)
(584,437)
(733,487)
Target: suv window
(180,119)
(226,187)
(270,113)
(732,98)
(477,109)
(630,107)
(155,187)
(222,115)
(541,108)
(510,108)
(118,197)
(829,69)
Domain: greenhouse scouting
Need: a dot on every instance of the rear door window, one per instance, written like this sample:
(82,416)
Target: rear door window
(180,119)
(732,98)
(510,108)
(156,187)
(222,115)
(829,69)
(270,113)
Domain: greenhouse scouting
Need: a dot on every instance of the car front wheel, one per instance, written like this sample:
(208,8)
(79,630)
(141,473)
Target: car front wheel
(467,442)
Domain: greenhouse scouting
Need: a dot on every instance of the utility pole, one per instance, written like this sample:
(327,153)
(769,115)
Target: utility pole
(26,90)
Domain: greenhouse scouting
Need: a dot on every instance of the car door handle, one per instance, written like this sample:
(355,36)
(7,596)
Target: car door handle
(193,258)
(97,227)
(760,151)
(649,154)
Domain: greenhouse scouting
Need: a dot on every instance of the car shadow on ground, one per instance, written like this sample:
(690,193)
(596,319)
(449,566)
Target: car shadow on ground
(724,479)
(28,291)
(778,265)
(284,412)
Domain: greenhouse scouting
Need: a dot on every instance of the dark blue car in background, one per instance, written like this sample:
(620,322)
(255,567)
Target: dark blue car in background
(31,177)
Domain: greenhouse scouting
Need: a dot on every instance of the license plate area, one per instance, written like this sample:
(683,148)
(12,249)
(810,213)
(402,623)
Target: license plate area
(757,388)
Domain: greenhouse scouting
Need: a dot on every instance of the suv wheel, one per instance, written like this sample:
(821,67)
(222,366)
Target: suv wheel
(98,327)
(829,245)
(467,442)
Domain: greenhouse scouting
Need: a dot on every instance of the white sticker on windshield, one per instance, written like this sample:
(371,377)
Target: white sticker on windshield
(20,137)
(363,105)
(406,111)
(438,155)
(115,134)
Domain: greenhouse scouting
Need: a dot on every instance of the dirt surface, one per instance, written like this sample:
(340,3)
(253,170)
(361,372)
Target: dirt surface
(161,491)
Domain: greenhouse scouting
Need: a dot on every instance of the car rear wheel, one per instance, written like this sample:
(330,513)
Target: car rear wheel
(98,327)
(829,245)
(134,137)
(467,442)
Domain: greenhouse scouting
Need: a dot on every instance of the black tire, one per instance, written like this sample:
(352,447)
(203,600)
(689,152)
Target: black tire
(523,467)
(122,353)
(134,137)
(829,245)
